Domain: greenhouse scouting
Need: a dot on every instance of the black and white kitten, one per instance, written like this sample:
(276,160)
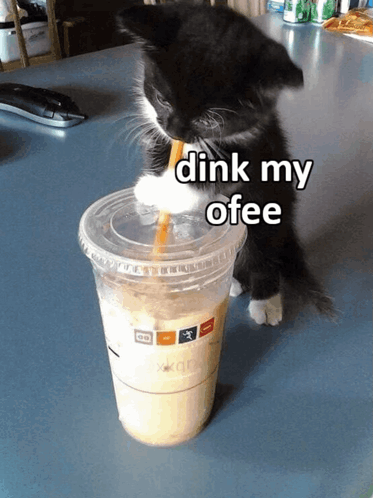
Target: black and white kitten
(211,79)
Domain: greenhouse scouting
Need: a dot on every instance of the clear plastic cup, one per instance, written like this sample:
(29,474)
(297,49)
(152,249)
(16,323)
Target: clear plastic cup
(163,317)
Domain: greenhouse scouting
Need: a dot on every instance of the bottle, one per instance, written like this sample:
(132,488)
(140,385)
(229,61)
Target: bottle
(296,11)
(275,6)
(322,10)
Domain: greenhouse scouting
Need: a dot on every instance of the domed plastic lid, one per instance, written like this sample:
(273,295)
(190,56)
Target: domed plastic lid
(118,234)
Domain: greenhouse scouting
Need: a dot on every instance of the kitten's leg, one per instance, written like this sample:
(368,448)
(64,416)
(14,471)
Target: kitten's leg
(266,304)
(257,271)
(241,273)
(281,256)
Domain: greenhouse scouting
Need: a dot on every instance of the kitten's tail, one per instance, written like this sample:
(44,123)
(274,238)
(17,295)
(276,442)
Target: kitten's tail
(303,289)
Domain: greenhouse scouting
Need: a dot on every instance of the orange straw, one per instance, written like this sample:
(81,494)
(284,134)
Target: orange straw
(164,217)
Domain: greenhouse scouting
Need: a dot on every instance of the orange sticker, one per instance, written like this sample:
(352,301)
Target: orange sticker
(206,327)
(166,338)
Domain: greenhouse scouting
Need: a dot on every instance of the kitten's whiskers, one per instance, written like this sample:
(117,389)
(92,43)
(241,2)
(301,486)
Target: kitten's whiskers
(220,124)
(205,148)
(223,109)
(218,150)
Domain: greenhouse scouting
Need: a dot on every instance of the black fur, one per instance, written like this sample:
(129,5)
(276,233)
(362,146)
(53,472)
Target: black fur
(214,79)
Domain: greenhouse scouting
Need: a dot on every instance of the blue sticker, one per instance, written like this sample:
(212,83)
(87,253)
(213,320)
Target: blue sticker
(187,335)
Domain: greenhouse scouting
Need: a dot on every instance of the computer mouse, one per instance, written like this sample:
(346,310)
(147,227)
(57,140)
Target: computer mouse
(40,104)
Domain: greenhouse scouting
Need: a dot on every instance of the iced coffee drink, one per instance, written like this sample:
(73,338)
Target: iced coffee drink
(163,320)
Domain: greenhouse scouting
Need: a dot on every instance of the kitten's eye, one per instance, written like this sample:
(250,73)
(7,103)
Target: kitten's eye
(161,100)
(202,122)
(206,121)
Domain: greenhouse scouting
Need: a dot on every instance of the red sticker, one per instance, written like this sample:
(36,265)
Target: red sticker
(206,327)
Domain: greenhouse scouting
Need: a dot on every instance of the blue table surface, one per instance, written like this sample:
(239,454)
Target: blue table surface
(294,413)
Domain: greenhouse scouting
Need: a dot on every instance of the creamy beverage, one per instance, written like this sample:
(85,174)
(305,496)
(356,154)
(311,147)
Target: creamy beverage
(163,320)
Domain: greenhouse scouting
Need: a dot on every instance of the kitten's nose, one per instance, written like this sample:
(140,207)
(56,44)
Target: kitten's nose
(178,129)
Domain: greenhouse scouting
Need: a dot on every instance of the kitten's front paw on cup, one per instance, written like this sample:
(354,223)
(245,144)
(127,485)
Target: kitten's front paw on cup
(167,194)
(146,190)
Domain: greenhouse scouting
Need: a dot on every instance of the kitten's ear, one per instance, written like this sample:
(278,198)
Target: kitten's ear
(155,25)
(277,69)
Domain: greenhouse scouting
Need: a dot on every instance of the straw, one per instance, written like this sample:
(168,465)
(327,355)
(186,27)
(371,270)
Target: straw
(164,216)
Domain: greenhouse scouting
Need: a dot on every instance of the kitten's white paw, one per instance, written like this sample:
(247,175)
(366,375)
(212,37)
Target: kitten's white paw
(146,189)
(266,311)
(236,288)
(167,194)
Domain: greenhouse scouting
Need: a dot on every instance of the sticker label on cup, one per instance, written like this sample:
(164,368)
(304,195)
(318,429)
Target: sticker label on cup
(166,338)
(163,361)
(143,337)
(187,335)
(171,337)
